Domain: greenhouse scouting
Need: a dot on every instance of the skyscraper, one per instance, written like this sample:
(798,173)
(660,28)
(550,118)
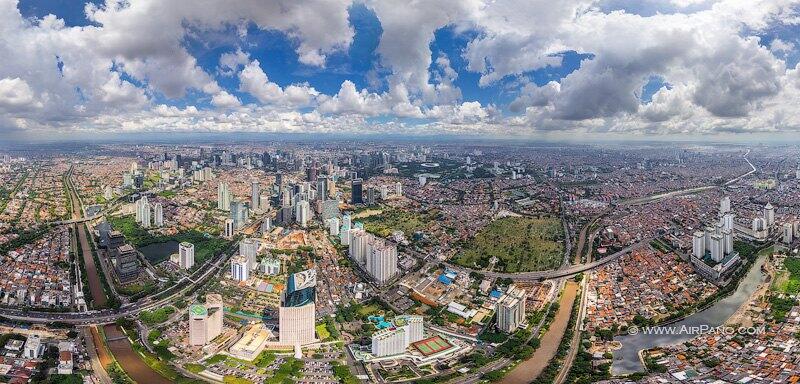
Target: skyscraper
(223,197)
(357,195)
(511,310)
(303,213)
(769,214)
(240,269)
(322,188)
(725,205)
(158,215)
(297,310)
(205,321)
(229,229)
(255,196)
(186,255)
(248,248)
(239,213)
(381,261)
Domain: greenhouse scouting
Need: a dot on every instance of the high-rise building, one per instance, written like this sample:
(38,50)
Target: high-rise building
(699,244)
(229,228)
(717,248)
(248,248)
(384,192)
(359,245)
(143,212)
(240,269)
(725,205)
(389,341)
(158,215)
(297,310)
(788,233)
(223,197)
(255,196)
(186,255)
(205,321)
(357,194)
(303,213)
(728,221)
(239,214)
(381,261)
(769,215)
(126,263)
(322,188)
(511,310)
(398,189)
(333,226)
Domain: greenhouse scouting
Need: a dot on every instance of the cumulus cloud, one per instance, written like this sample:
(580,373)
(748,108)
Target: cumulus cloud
(132,62)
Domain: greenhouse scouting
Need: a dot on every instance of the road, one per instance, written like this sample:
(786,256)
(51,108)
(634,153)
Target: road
(110,315)
(557,273)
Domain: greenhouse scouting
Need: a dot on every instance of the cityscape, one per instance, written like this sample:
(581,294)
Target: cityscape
(382,191)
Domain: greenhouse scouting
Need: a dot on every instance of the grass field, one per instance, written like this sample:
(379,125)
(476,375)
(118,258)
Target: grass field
(520,244)
(788,281)
(390,220)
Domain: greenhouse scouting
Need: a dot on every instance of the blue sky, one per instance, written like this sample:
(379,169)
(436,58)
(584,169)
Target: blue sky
(648,67)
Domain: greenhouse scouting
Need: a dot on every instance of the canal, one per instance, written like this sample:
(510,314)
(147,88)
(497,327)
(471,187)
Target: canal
(626,359)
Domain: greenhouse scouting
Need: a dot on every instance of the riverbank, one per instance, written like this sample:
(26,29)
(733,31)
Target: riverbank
(530,369)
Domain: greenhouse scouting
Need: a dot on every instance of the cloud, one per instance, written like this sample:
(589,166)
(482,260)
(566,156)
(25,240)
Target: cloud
(16,95)
(225,100)
(254,81)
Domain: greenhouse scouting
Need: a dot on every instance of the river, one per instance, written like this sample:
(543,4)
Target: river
(626,359)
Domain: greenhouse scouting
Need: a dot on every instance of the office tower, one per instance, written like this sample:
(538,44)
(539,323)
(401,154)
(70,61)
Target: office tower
(248,248)
(302,213)
(728,221)
(279,179)
(769,214)
(371,196)
(240,269)
(223,197)
(398,189)
(229,228)
(384,192)
(185,255)
(239,213)
(381,261)
(322,188)
(255,196)
(788,233)
(725,205)
(158,215)
(297,311)
(357,195)
(205,321)
(511,310)
(126,263)
(266,225)
(717,248)
(699,244)
(264,203)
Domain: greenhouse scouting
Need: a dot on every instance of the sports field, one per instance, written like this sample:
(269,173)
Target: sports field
(432,345)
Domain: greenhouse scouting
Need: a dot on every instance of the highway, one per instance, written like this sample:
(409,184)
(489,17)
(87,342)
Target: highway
(556,273)
(111,315)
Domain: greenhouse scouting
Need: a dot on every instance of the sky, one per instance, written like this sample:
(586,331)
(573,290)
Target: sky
(493,68)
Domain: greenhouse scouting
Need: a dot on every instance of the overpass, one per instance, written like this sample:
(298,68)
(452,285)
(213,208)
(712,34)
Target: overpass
(554,273)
